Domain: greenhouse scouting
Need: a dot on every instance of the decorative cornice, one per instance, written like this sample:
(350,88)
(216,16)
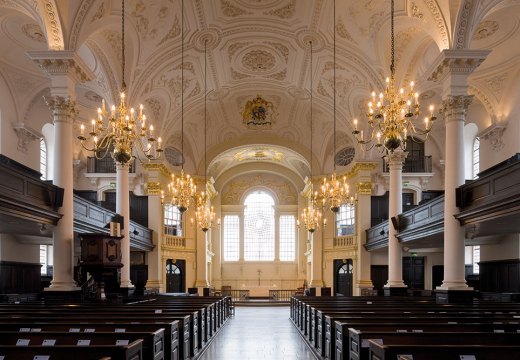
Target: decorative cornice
(360,166)
(157,167)
(25,135)
(364,188)
(494,135)
(462,28)
(456,62)
(62,63)
(153,188)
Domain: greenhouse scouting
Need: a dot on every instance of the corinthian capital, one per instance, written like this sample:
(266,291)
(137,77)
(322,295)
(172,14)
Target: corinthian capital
(455,105)
(396,159)
(63,108)
(62,63)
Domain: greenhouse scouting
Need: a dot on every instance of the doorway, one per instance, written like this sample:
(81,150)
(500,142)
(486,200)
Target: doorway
(175,275)
(343,278)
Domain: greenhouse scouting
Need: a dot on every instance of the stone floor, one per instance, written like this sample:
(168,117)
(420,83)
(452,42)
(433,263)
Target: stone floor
(258,333)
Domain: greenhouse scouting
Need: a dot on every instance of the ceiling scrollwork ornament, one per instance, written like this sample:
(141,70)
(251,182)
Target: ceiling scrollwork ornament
(53,25)
(210,37)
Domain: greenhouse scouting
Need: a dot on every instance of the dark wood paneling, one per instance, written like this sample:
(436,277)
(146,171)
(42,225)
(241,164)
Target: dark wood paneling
(138,206)
(413,272)
(500,276)
(92,218)
(379,276)
(19,278)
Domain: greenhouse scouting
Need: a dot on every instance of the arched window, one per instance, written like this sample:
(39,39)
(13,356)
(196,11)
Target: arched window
(172,220)
(43,159)
(476,157)
(259,227)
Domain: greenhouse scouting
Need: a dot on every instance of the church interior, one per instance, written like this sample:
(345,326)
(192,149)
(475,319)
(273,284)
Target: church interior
(217,153)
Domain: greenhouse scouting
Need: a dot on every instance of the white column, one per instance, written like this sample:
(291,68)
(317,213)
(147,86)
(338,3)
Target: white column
(123,209)
(452,69)
(201,258)
(317,259)
(363,279)
(455,108)
(155,222)
(63,113)
(395,207)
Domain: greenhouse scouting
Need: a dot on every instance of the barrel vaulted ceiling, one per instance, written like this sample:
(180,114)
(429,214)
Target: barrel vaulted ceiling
(257,47)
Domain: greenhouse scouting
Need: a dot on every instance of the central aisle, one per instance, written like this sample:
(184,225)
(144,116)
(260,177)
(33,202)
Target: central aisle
(259,333)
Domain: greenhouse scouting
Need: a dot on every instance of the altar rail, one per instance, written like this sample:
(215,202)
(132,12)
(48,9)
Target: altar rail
(281,295)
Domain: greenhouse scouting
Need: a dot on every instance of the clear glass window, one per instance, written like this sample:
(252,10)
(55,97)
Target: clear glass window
(476,157)
(231,232)
(172,220)
(259,227)
(346,220)
(287,238)
(43,159)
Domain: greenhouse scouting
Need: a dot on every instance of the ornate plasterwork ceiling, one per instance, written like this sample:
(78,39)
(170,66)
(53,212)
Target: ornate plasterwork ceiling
(254,47)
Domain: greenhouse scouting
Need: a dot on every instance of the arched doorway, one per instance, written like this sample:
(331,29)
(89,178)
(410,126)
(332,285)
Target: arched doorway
(175,276)
(343,270)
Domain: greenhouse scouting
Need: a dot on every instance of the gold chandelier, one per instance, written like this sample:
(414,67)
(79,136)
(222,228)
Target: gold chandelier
(335,191)
(311,215)
(205,214)
(391,115)
(181,189)
(123,129)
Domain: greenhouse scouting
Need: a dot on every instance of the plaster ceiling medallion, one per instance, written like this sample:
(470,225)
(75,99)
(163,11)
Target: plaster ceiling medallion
(258,154)
(34,32)
(285,12)
(211,36)
(485,29)
(260,4)
(258,61)
(305,36)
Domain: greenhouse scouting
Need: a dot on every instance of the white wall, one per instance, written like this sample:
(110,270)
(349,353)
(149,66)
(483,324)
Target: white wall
(507,248)
(12,250)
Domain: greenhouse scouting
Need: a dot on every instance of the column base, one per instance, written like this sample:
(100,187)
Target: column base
(62,286)
(365,288)
(395,290)
(153,286)
(126,291)
(59,296)
(445,296)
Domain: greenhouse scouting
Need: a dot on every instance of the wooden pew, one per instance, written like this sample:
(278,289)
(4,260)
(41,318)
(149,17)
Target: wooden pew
(172,345)
(359,341)
(132,351)
(445,352)
(153,342)
(343,340)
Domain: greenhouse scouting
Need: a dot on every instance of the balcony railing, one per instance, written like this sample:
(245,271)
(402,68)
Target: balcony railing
(414,165)
(105,165)
(344,241)
(174,242)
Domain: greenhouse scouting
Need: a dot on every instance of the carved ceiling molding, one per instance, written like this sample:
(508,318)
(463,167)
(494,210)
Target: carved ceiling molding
(25,135)
(231,10)
(51,19)
(108,81)
(236,189)
(212,36)
(79,20)
(484,99)
(29,8)
(439,21)
(493,134)
(463,24)
(285,12)
(342,31)
(416,12)
(457,62)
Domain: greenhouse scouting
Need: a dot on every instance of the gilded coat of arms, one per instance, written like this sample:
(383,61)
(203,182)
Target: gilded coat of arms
(258,113)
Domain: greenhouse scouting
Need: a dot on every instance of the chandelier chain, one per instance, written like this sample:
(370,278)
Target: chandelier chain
(392,41)
(334,86)
(123,84)
(182,84)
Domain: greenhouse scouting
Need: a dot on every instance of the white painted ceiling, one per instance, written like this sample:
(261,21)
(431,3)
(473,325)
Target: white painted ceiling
(256,47)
